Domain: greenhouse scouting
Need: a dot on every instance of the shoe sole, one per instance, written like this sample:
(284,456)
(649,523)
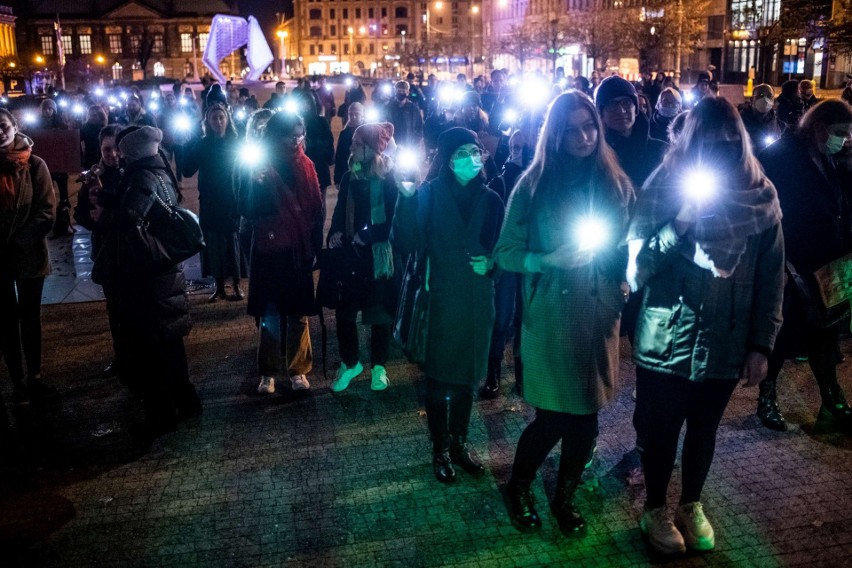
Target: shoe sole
(379,386)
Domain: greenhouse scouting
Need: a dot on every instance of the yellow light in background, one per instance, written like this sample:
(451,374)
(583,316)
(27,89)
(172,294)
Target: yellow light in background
(475,9)
(39,59)
(100,59)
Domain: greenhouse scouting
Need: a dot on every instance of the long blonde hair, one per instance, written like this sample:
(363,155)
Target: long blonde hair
(551,161)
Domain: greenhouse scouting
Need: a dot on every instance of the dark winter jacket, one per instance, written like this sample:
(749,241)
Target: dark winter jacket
(461,302)
(213,159)
(109,201)
(152,305)
(319,147)
(790,111)
(23,249)
(377,298)
(639,154)
(89,134)
(763,129)
(341,153)
(660,126)
(407,122)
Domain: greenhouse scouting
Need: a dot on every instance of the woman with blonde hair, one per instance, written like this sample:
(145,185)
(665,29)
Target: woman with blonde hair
(706,245)
(565,221)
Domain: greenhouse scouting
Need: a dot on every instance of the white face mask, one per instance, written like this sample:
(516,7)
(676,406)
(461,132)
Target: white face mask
(668,111)
(763,105)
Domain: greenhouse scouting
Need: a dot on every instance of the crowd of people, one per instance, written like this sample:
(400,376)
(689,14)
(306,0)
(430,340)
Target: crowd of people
(559,215)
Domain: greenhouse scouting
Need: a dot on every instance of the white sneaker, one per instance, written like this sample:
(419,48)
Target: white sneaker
(662,534)
(267,385)
(345,375)
(380,378)
(299,382)
(696,529)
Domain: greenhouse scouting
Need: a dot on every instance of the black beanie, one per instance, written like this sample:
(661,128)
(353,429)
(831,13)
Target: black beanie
(613,88)
(451,140)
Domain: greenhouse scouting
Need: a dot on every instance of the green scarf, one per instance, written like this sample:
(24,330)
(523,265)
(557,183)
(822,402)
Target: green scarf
(382,253)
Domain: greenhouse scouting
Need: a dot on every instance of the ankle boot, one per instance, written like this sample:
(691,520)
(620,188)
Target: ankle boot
(835,415)
(463,457)
(442,465)
(519,376)
(491,389)
(570,520)
(767,407)
(522,505)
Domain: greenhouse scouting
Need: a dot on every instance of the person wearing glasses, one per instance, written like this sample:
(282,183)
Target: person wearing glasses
(812,171)
(454,219)
(283,201)
(627,130)
(564,225)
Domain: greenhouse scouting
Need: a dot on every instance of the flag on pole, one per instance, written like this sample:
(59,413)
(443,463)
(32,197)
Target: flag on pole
(60,50)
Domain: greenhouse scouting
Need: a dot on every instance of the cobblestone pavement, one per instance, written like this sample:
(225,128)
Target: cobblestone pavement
(345,479)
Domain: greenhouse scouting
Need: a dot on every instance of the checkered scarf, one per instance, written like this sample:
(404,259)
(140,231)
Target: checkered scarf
(718,239)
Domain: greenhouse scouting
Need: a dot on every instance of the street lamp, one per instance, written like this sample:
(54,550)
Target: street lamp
(282,51)
(474,10)
(39,59)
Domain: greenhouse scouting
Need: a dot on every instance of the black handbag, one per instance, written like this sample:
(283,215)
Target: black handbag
(344,274)
(166,236)
(411,328)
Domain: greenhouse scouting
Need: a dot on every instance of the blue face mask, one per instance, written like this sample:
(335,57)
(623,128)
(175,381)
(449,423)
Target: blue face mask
(834,144)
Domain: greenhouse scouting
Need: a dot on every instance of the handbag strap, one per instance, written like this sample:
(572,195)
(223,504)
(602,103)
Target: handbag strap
(167,203)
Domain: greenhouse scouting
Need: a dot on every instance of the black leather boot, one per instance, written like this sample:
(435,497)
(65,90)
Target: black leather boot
(835,415)
(570,520)
(767,407)
(491,388)
(441,464)
(463,457)
(522,511)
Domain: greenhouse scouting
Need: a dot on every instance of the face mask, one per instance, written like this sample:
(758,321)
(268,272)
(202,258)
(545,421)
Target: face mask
(834,144)
(668,111)
(466,169)
(723,154)
(401,96)
(763,105)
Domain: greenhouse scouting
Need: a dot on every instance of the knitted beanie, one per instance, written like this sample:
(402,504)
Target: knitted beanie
(451,140)
(613,88)
(376,135)
(136,143)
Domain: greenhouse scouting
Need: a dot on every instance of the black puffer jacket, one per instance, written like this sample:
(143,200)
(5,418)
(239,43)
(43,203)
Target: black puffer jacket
(153,306)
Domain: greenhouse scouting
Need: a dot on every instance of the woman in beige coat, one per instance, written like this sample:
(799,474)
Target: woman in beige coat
(565,221)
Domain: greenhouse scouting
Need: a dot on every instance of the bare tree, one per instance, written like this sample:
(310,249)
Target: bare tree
(808,19)
(144,51)
(599,32)
(839,28)
(523,42)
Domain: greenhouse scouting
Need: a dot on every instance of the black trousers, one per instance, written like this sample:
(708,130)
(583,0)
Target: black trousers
(20,325)
(448,408)
(821,349)
(663,404)
(347,339)
(158,371)
(577,432)
(111,294)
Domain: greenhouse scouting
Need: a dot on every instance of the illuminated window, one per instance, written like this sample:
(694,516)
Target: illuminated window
(115,44)
(159,45)
(202,41)
(85,44)
(159,69)
(47,44)
(186,43)
(117,71)
(66,45)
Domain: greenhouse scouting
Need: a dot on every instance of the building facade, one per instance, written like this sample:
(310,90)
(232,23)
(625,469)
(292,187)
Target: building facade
(385,39)
(122,40)
(8,44)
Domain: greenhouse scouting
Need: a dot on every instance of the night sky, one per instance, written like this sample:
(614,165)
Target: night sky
(264,10)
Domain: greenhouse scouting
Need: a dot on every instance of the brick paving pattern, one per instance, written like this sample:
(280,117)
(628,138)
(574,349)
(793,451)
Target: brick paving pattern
(345,479)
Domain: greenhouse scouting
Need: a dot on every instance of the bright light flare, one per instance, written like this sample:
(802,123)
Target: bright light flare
(563,83)
(371,115)
(689,97)
(446,95)
(700,184)
(241,114)
(183,101)
(291,106)
(78,109)
(182,123)
(510,116)
(124,96)
(537,94)
(112,101)
(30,118)
(407,160)
(252,154)
(348,82)
(387,89)
(155,95)
(154,107)
(769,140)
(591,234)
(63,103)
(99,92)
(328,88)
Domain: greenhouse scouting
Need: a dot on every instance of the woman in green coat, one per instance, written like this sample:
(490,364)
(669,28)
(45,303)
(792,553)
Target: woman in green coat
(565,221)
(455,219)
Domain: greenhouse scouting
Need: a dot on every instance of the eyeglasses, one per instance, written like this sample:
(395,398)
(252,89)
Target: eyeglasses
(622,104)
(477,153)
